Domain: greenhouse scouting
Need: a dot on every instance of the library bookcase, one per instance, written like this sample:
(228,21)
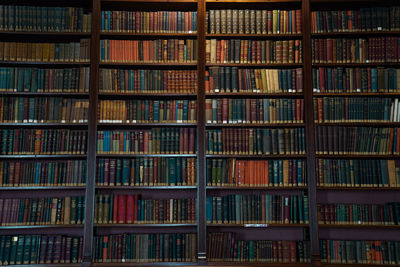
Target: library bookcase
(209,132)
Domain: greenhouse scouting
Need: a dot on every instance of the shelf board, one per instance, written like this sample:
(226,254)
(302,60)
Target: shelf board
(42,156)
(376,124)
(42,125)
(256,187)
(150,187)
(363,188)
(268,125)
(379,64)
(145,34)
(353,33)
(44,64)
(325,264)
(255,95)
(153,225)
(150,124)
(24,188)
(355,226)
(355,156)
(272,156)
(248,35)
(257,225)
(45,34)
(169,263)
(265,65)
(253,1)
(128,94)
(45,226)
(147,1)
(168,64)
(40,94)
(101,155)
(356,94)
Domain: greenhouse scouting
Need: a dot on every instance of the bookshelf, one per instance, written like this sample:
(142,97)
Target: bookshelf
(207,95)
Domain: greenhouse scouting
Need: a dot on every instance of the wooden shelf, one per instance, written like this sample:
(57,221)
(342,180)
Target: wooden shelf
(376,124)
(43,125)
(147,1)
(272,156)
(356,94)
(111,34)
(44,226)
(364,188)
(354,34)
(325,264)
(99,155)
(130,95)
(150,187)
(150,124)
(379,64)
(355,156)
(61,156)
(253,1)
(41,94)
(245,187)
(25,188)
(44,64)
(45,34)
(266,125)
(255,95)
(149,64)
(152,225)
(358,226)
(261,36)
(148,264)
(264,65)
(249,225)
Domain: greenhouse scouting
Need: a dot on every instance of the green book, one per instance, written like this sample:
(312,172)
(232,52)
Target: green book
(13,250)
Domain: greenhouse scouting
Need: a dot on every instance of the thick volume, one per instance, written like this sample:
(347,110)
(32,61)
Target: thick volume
(153,141)
(262,173)
(42,211)
(44,80)
(148,81)
(149,21)
(40,249)
(358,173)
(43,109)
(171,247)
(233,79)
(146,171)
(256,141)
(147,111)
(266,111)
(43,173)
(360,252)
(42,141)
(130,209)
(228,247)
(264,209)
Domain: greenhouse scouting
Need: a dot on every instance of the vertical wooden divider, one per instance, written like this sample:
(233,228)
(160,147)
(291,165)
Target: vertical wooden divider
(310,133)
(201,166)
(87,259)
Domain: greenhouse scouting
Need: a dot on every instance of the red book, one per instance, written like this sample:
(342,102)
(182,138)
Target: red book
(105,250)
(115,208)
(121,213)
(129,209)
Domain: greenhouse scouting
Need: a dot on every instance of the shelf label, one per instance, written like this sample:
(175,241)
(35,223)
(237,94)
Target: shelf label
(255,225)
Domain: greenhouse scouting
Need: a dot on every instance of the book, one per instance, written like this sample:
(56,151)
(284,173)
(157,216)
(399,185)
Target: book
(135,209)
(149,21)
(44,19)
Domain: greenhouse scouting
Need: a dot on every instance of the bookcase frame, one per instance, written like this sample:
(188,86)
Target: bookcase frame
(201,188)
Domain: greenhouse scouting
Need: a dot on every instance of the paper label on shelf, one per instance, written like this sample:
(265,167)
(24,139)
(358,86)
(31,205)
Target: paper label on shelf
(224,121)
(179,121)
(216,90)
(379,28)
(255,225)
(133,121)
(209,121)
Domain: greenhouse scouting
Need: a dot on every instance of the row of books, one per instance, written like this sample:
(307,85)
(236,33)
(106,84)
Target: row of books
(375,214)
(44,80)
(357,140)
(360,252)
(361,109)
(43,109)
(40,249)
(253,51)
(358,173)
(228,247)
(42,141)
(148,81)
(255,141)
(146,171)
(129,209)
(362,19)
(149,21)
(266,173)
(43,173)
(171,247)
(259,209)
(251,21)
(360,50)
(139,111)
(44,19)
(355,80)
(152,141)
(149,51)
(233,79)
(228,110)
(42,211)
(46,52)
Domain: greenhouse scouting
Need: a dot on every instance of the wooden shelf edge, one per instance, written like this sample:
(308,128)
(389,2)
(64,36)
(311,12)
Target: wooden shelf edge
(256,188)
(155,187)
(10,227)
(23,188)
(152,225)
(144,155)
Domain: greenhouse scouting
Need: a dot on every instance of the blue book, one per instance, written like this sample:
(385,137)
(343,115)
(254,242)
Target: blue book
(27,80)
(20,80)
(172,167)
(374,79)
(102,21)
